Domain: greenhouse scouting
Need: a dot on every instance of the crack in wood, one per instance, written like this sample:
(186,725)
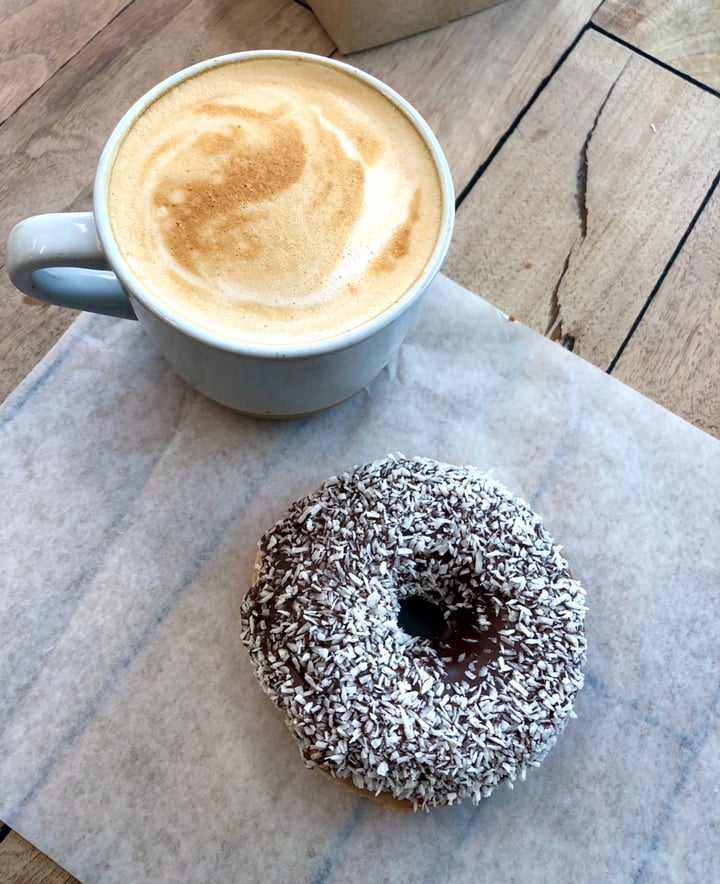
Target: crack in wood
(553,329)
(582,172)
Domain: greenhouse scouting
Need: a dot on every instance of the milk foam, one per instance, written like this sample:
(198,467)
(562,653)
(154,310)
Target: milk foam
(275,200)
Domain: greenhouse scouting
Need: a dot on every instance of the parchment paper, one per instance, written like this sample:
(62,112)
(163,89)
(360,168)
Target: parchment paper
(135,743)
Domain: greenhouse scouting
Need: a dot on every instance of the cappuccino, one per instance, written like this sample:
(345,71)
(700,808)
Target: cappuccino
(275,201)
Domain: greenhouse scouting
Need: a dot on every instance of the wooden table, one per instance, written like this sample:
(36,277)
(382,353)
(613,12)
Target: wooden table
(584,140)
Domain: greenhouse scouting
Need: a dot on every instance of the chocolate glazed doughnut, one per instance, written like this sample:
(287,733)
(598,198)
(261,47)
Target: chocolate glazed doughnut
(420,630)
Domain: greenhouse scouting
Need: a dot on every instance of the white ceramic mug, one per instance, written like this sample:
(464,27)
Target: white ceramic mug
(72,259)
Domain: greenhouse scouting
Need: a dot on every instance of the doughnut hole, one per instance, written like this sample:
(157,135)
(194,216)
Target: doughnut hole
(462,633)
(421,618)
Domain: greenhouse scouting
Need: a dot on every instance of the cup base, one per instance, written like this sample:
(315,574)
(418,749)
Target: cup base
(277,417)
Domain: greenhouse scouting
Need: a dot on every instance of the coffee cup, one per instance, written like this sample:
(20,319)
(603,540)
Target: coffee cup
(273,220)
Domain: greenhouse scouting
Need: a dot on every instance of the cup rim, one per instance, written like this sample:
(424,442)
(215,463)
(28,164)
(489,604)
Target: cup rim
(340,341)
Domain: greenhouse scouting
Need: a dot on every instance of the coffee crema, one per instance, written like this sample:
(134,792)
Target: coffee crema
(275,200)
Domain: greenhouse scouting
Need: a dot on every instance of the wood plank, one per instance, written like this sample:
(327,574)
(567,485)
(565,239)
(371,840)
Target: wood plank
(471,78)
(684,34)
(674,356)
(573,221)
(21,863)
(50,146)
(39,36)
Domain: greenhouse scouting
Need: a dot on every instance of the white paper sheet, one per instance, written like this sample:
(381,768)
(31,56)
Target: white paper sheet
(135,743)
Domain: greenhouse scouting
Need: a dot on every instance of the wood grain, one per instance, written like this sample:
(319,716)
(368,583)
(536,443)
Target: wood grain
(576,217)
(21,863)
(471,78)
(684,34)
(50,146)
(673,357)
(39,36)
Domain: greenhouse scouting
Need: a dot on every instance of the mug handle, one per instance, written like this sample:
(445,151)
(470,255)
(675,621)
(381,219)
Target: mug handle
(57,258)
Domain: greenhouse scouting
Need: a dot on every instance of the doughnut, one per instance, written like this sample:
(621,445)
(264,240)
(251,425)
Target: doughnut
(420,630)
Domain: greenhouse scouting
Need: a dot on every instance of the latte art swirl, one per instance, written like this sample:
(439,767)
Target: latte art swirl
(275,200)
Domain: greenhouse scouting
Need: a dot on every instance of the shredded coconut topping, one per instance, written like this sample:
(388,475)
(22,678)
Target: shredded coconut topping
(432,719)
